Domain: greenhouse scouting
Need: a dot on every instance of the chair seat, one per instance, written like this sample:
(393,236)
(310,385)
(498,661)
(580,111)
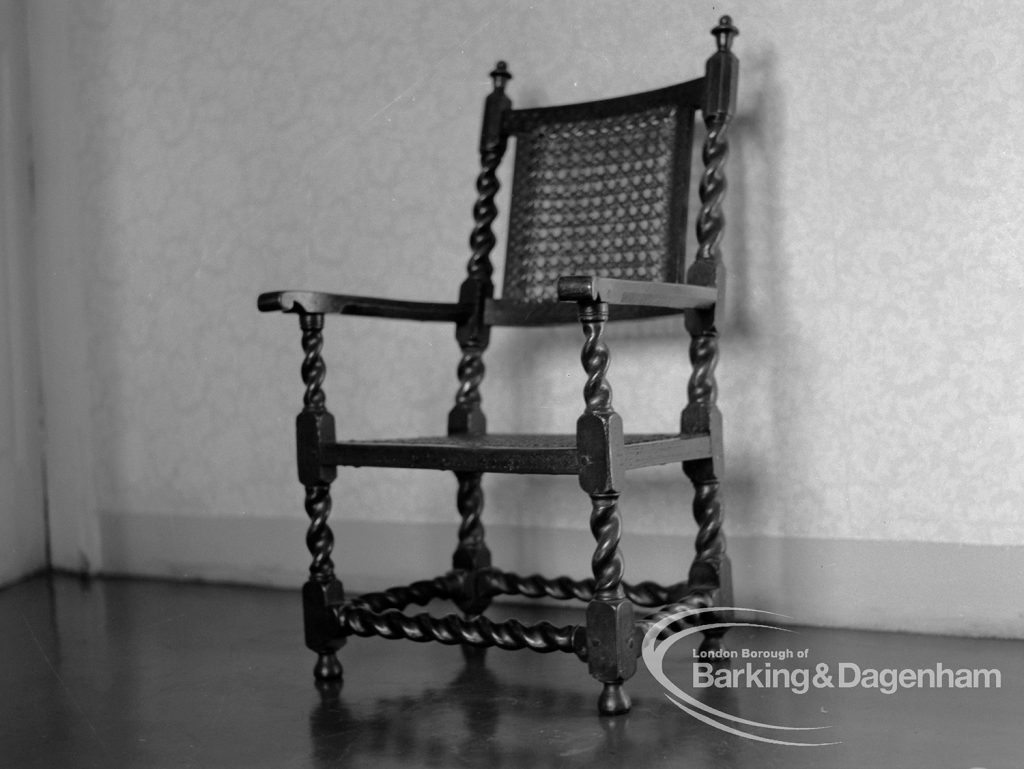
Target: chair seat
(510,453)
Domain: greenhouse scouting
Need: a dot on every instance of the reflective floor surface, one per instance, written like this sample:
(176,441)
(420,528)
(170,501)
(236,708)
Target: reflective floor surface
(121,673)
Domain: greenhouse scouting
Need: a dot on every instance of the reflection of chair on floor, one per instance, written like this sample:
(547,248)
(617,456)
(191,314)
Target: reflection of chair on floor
(465,722)
(597,218)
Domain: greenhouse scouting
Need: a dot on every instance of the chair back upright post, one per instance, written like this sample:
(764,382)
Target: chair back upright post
(710,571)
(473,335)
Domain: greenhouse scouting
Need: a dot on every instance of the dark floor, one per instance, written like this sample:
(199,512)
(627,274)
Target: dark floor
(149,674)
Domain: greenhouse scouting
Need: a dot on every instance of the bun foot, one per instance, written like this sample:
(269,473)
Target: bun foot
(613,700)
(327,668)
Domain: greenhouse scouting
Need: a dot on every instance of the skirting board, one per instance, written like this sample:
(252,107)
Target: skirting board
(969,590)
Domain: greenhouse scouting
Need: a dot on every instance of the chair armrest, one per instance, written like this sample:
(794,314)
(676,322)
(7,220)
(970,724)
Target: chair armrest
(310,302)
(644,293)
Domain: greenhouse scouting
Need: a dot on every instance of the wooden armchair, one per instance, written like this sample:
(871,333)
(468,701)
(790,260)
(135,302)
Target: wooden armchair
(596,234)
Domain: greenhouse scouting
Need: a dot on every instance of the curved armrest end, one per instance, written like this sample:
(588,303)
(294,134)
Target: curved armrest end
(277,301)
(317,302)
(578,288)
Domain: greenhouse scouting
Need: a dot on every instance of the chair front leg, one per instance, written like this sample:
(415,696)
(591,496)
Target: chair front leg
(314,429)
(611,645)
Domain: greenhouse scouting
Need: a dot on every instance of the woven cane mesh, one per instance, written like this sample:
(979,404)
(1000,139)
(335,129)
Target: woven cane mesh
(592,196)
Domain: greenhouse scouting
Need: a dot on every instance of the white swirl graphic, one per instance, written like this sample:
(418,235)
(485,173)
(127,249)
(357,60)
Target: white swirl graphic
(654,655)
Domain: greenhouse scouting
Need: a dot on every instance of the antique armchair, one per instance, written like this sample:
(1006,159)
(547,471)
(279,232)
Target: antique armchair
(597,220)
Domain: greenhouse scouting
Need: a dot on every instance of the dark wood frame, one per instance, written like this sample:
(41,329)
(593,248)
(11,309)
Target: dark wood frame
(599,453)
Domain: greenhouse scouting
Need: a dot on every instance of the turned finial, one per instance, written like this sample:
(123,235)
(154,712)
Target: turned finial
(500,75)
(724,33)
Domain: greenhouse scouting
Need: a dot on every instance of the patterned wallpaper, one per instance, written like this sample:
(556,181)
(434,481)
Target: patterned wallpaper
(871,374)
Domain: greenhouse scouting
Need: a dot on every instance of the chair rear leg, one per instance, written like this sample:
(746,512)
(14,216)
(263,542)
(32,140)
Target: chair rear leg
(710,572)
(472,553)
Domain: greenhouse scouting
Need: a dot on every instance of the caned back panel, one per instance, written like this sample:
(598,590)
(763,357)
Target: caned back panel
(599,189)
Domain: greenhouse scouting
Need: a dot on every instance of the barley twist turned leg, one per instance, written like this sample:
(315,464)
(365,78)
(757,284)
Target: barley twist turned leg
(314,428)
(611,646)
(709,574)
(472,554)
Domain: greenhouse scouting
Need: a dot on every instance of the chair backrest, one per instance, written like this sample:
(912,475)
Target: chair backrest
(600,188)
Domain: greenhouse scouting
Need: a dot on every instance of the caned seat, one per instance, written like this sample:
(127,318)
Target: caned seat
(596,234)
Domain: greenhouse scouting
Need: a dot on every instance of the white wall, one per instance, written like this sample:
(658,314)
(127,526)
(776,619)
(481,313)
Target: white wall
(22,520)
(201,153)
